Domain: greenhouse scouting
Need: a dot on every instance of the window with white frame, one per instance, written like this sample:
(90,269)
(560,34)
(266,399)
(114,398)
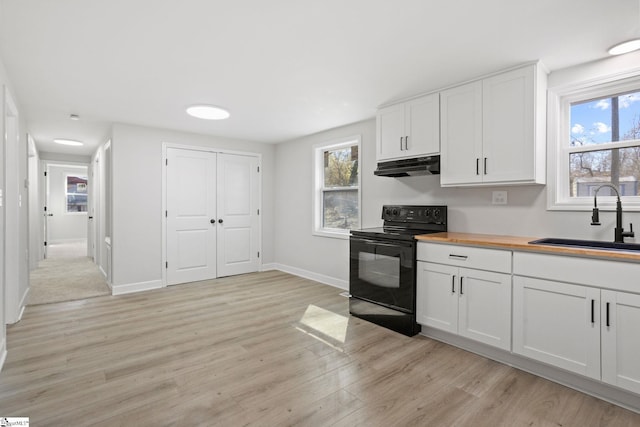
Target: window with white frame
(76,193)
(337,187)
(597,142)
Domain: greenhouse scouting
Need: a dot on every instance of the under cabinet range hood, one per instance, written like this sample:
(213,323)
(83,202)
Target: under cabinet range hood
(429,165)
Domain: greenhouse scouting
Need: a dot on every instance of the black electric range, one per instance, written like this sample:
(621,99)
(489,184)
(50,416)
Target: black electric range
(382,269)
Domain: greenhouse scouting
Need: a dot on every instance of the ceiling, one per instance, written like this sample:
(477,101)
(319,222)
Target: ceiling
(283,68)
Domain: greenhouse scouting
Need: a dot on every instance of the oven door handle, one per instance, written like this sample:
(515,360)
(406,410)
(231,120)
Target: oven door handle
(380,243)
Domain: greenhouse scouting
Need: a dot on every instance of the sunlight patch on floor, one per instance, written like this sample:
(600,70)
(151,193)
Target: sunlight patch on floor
(324,325)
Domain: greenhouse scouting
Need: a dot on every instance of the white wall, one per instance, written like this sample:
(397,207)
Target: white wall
(137,199)
(470,209)
(14,282)
(63,226)
(3,290)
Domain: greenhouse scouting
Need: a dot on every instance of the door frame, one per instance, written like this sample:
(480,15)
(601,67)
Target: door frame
(165,146)
(46,164)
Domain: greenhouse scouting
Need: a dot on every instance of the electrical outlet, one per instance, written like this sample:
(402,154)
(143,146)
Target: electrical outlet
(499,198)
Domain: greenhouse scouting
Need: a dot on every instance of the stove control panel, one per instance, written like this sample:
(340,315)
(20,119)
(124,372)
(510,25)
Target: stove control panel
(415,214)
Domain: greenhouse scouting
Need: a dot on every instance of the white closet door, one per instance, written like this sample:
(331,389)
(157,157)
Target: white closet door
(238,217)
(191,215)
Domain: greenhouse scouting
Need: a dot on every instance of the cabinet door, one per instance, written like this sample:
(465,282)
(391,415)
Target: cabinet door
(485,307)
(437,296)
(390,132)
(508,126)
(557,323)
(422,125)
(461,135)
(621,340)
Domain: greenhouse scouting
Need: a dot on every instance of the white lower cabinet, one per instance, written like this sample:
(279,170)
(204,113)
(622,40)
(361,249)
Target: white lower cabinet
(469,302)
(567,318)
(557,323)
(621,339)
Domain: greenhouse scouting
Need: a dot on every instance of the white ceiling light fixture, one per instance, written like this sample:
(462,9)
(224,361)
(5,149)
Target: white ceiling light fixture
(68,142)
(208,112)
(629,45)
(74,117)
(625,47)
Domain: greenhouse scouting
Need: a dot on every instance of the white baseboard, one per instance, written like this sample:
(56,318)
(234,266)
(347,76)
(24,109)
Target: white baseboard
(3,351)
(63,241)
(268,267)
(104,274)
(23,303)
(136,287)
(10,319)
(327,280)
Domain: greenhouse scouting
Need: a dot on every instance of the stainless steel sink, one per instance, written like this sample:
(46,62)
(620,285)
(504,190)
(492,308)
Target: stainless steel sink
(587,244)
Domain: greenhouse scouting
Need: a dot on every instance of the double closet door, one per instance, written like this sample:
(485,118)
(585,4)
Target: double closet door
(212,215)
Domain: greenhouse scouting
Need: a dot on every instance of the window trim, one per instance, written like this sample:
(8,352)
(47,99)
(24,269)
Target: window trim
(559,108)
(318,175)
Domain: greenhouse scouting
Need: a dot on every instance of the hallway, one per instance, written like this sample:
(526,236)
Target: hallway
(66,275)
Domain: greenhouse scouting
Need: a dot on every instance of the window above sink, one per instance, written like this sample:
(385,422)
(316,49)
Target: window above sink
(594,139)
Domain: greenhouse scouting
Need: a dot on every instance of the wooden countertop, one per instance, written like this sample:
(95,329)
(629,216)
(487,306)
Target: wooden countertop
(521,243)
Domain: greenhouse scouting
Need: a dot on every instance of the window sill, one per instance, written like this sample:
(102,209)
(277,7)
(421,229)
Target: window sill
(332,234)
(604,204)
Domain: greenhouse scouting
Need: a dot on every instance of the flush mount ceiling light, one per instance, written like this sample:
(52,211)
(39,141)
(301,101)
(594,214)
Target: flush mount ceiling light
(629,45)
(208,112)
(68,142)
(74,117)
(625,47)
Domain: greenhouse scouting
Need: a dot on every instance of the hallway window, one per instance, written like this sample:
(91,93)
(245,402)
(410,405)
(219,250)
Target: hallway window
(76,193)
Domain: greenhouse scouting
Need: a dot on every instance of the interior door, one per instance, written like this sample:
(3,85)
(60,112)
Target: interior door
(238,215)
(191,215)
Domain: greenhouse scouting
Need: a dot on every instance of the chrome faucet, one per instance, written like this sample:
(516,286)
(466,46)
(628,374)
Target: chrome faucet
(619,233)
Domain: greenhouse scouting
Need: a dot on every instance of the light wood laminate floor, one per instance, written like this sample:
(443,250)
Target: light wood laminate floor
(264,349)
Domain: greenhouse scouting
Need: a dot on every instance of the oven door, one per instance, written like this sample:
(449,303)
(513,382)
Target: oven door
(383,272)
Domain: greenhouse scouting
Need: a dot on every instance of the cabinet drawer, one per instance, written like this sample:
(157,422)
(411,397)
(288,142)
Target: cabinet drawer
(465,256)
(620,276)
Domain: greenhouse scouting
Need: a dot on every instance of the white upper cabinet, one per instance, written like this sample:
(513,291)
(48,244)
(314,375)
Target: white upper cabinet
(461,127)
(409,129)
(493,130)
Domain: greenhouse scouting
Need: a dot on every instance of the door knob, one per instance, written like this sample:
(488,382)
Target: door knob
(220,221)
(213,221)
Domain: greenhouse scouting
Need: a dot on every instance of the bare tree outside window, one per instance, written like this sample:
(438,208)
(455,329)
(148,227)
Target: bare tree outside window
(340,189)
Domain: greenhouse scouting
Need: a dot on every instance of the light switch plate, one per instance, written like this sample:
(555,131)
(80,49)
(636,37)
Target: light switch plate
(499,198)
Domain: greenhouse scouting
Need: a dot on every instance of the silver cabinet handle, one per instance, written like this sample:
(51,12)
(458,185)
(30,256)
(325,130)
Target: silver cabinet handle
(401,149)
(460,257)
